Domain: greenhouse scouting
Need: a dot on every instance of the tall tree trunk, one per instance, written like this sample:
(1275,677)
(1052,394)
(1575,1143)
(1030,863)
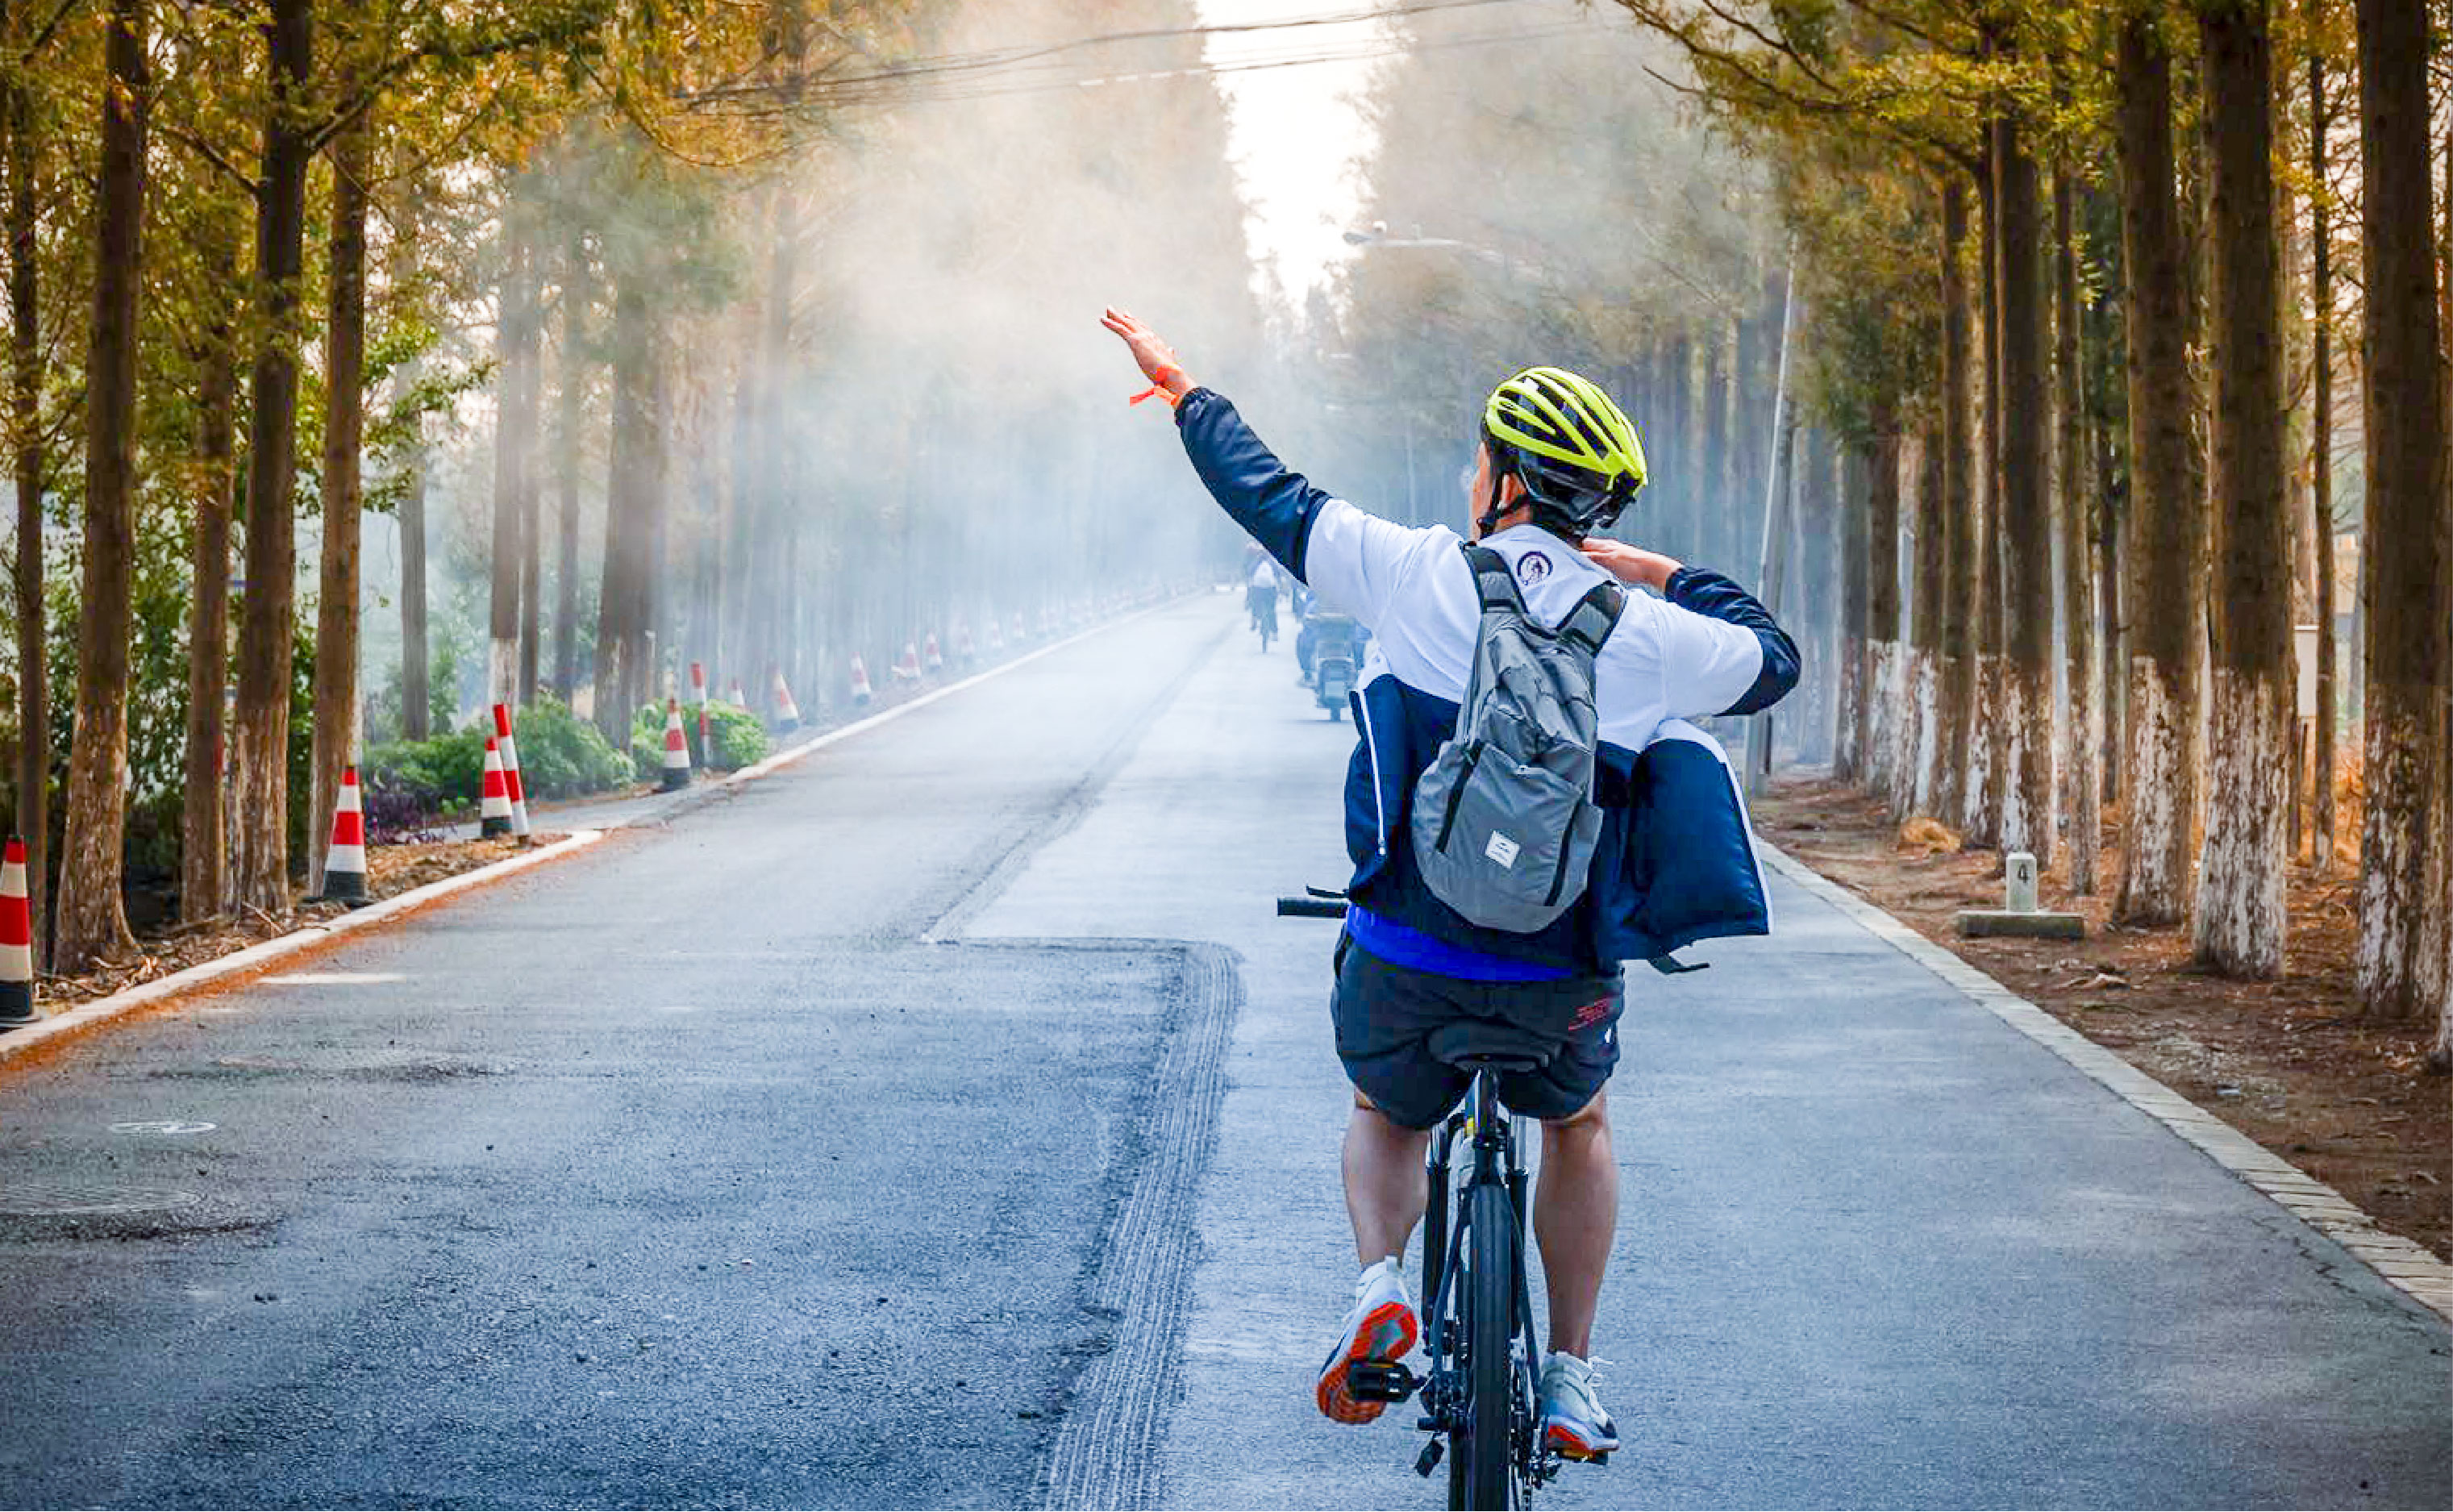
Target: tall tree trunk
(2160,786)
(2240,910)
(1990,750)
(1956,726)
(1879,464)
(260,742)
(1929,592)
(2320,462)
(416,693)
(336,599)
(2406,478)
(27,466)
(1718,509)
(617,650)
(93,921)
(204,878)
(2023,412)
(2083,791)
(514,444)
(1674,436)
(573,399)
(1850,755)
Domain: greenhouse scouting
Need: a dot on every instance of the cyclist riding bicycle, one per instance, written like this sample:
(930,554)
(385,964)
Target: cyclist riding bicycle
(1261,593)
(1419,984)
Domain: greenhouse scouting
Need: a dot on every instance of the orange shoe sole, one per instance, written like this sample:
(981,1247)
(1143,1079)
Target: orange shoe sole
(1335,1401)
(1568,1445)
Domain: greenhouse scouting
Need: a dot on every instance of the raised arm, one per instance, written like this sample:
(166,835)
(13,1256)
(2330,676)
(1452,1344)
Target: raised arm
(1727,654)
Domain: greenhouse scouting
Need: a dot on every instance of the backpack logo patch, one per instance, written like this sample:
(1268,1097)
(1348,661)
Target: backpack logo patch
(1532,566)
(1502,849)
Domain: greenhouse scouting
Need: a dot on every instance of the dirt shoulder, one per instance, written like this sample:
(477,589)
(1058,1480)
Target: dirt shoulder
(2289,1063)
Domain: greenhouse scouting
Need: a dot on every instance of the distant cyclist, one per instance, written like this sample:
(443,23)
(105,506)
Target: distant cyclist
(1261,594)
(1417,984)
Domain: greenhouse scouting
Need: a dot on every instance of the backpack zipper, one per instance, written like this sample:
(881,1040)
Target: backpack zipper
(1565,850)
(1456,797)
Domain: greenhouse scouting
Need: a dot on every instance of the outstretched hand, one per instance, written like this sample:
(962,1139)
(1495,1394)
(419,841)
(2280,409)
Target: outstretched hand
(1631,564)
(1156,357)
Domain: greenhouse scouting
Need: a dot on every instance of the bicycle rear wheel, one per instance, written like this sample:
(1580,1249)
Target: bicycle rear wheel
(1491,1372)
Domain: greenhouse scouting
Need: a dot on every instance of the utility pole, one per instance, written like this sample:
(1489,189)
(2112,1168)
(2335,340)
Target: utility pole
(1773,558)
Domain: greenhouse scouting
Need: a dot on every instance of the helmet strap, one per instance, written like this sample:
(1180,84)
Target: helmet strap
(1501,464)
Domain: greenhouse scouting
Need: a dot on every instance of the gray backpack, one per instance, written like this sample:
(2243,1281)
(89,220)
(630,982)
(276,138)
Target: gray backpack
(1505,821)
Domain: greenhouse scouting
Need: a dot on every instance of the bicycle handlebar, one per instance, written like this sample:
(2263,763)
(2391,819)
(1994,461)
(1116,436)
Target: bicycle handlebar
(1311,907)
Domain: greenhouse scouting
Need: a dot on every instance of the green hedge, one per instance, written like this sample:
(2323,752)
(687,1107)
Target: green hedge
(740,739)
(561,756)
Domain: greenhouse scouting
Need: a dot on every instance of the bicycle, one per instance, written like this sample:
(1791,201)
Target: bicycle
(1480,1390)
(1264,611)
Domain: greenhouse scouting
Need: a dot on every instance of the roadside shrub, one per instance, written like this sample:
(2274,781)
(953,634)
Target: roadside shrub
(563,756)
(439,777)
(739,737)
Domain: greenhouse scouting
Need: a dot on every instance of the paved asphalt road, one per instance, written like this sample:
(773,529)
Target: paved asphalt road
(946,1120)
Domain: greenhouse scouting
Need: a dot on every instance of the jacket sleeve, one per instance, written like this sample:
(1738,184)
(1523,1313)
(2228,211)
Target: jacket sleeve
(1352,559)
(1275,505)
(1711,672)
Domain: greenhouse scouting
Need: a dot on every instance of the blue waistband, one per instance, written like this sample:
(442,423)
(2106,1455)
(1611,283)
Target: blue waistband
(1400,945)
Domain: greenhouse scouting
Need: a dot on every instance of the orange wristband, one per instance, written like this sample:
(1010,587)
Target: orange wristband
(1157,388)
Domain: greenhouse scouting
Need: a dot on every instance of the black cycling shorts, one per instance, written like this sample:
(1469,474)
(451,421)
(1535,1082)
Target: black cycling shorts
(1398,1029)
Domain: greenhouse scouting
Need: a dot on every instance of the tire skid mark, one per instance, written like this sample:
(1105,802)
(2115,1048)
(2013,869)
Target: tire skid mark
(1106,1450)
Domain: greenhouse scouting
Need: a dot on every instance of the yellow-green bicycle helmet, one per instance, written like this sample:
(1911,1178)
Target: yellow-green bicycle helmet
(1575,451)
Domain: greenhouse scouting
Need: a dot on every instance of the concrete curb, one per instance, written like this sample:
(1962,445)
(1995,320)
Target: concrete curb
(257,957)
(2403,1264)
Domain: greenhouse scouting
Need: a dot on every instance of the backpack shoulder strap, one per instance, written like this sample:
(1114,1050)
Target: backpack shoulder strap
(1492,581)
(1595,615)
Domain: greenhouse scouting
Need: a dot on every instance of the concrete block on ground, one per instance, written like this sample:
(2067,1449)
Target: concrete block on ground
(2020,925)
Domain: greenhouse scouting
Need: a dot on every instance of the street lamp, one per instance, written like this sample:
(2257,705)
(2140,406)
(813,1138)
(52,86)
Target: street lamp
(1378,236)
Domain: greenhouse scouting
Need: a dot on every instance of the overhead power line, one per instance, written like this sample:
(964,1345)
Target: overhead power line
(1053,66)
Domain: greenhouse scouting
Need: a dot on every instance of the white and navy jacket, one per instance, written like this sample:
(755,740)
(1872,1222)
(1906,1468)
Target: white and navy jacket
(1675,863)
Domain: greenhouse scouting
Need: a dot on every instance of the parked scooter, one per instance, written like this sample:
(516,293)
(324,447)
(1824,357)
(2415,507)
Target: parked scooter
(1336,645)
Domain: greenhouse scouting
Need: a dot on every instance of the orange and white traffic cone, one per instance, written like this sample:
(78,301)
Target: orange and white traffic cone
(996,638)
(907,669)
(861,692)
(344,864)
(931,660)
(17,939)
(677,762)
(965,651)
(739,699)
(788,714)
(511,770)
(493,796)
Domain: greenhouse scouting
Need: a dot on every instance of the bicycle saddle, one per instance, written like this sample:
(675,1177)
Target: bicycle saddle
(1502,1064)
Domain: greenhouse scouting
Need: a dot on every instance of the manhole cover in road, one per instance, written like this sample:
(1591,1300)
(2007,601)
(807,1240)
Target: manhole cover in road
(71,1198)
(161,1125)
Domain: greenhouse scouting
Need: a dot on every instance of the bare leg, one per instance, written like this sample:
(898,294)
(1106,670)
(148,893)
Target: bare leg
(1384,1182)
(1575,1216)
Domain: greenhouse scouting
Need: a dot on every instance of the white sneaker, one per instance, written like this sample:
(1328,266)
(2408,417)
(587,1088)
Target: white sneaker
(1574,1421)
(1380,1327)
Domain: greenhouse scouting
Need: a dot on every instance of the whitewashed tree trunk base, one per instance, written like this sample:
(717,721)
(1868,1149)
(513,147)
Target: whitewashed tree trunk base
(2154,875)
(2240,919)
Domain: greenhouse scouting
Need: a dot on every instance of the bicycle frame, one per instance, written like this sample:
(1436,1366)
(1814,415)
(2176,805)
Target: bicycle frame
(1493,1161)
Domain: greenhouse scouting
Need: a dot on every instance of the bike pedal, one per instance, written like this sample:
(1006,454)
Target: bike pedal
(1429,1459)
(1379,1381)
